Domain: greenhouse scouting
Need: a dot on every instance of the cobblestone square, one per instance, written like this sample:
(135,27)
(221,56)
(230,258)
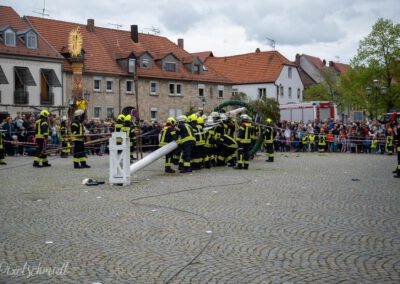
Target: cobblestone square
(306,218)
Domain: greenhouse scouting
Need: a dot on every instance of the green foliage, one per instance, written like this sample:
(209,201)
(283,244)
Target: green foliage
(317,92)
(378,58)
(240,97)
(266,108)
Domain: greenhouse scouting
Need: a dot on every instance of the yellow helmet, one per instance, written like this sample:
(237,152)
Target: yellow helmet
(171,120)
(193,117)
(121,117)
(45,113)
(128,118)
(268,120)
(200,120)
(182,118)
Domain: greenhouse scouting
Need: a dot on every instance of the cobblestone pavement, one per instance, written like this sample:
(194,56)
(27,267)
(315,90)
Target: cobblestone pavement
(307,218)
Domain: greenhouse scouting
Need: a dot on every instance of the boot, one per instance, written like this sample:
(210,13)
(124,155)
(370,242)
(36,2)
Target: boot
(395,171)
(84,165)
(76,165)
(2,162)
(169,170)
(238,167)
(207,165)
(37,165)
(46,164)
(246,166)
(186,170)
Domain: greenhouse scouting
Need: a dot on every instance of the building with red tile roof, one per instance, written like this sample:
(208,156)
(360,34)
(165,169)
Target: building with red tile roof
(30,68)
(261,74)
(169,79)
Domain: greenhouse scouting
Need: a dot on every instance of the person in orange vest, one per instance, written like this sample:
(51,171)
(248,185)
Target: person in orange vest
(330,139)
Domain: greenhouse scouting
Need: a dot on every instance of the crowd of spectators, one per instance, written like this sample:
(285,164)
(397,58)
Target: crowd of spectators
(354,137)
(19,134)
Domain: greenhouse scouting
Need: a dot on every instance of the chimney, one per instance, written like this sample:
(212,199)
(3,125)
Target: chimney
(134,33)
(330,63)
(324,62)
(90,25)
(297,59)
(180,43)
(258,50)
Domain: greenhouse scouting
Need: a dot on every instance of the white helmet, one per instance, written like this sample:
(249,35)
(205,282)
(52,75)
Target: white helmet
(78,112)
(223,116)
(214,114)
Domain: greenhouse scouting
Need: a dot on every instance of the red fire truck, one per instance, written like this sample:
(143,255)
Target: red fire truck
(306,111)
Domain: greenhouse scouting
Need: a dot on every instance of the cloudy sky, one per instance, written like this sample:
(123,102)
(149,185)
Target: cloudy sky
(330,30)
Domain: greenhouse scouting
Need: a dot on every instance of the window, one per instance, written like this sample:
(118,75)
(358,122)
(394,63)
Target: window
(298,93)
(262,92)
(290,92)
(97,112)
(234,92)
(153,88)
(175,112)
(131,65)
(201,88)
(22,79)
(281,91)
(48,80)
(179,89)
(171,89)
(96,84)
(110,112)
(196,68)
(146,63)
(109,86)
(153,113)
(290,72)
(220,91)
(31,40)
(129,86)
(170,66)
(9,38)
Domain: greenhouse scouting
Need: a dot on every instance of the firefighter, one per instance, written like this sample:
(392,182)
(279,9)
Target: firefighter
(78,137)
(200,141)
(168,135)
(64,138)
(244,142)
(119,125)
(269,140)
(389,142)
(186,141)
(209,146)
(129,128)
(2,154)
(397,139)
(228,146)
(41,135)
(305,141)
(195,162)
(321,141)
(311,139)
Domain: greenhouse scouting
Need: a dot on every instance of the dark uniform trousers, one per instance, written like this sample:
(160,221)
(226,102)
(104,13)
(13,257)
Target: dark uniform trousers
(40,154)
(79,152)
(187,148)
(243,155)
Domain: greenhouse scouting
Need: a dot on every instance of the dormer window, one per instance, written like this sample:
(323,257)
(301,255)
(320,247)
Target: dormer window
(146,63)
(31,40)
(196,68)
(9,38)
(170,66)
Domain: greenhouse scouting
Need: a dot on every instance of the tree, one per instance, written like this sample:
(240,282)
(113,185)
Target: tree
(267,108)
(240,97)
(317,92)
(380,52)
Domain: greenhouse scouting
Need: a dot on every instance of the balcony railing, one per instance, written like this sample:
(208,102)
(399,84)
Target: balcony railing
(47,99)
(21,97)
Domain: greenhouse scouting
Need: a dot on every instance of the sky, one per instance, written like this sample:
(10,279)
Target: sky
(330,30)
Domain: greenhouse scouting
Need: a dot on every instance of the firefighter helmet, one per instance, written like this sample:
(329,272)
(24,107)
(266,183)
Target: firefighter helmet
(78,112)
(45,113)
(171,120)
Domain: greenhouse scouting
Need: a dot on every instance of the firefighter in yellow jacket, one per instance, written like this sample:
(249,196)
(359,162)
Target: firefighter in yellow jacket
(168,135)
(78,138)
(41,134)
(243,139)
(269,140)
(186,141)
